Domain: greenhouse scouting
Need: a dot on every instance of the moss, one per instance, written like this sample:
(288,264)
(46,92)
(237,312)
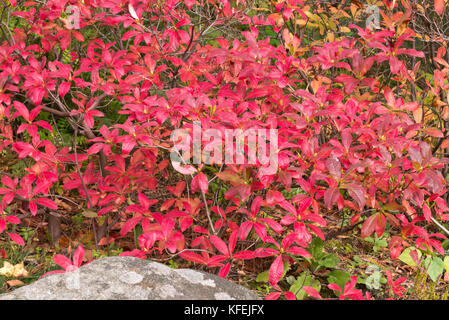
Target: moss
(425,289)
(338,246)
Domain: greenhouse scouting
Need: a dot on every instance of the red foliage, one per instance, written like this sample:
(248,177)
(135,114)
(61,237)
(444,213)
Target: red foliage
(163,77)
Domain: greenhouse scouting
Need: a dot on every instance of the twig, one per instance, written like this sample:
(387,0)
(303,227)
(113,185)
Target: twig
(85,189)
(440,225)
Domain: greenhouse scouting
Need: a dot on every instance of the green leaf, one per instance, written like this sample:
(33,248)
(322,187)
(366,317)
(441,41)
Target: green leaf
(339,277)
(90,214)
(435,269)
(358,260)
(263,276)
(316,248)
(407,258)
(329,260)
(304,279)
(446,263)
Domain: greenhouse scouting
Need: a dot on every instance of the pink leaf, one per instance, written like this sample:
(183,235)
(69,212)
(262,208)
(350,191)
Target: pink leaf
(33,208)
(273,296)
(63,89)
(184,169)
(312,292)
(16,238)
(244,255)
(95,148)
(129,225)
(224,271)
(426,212)
(334,167)
(334,286)
(62,261)
(200,182)
(78,256)
(299,252)
(220,245)
(331,196)
(12,219)
(194,257)
(22,109)
(47,203)
(439,6)
(276,271)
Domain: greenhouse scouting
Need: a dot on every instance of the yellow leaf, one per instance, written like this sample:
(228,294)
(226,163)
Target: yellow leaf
(7,270)
(332,25)
(301,22)
(417,115)
(19,270)
(90,214)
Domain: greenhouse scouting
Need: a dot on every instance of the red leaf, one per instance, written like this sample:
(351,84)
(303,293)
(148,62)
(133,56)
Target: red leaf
(12,219)
(376,222)
(276,271)
(334,286)
(220,245)
(299,252)
(194,257)
(331,196)
(273,197)
(312,292)
(434,132)
(244,255)
(334,167)
(64,87)
(426,212)
(273,296)
(129,225)
(357,192)
(62,261)
(22,109)
(47,203)
(395,245)
(289,295)
(167,226)
(33,208)
(395,65)
(244,229)
(17,239)
(95,148)
(369,226)
(224,271)
(78,256)
(200,182)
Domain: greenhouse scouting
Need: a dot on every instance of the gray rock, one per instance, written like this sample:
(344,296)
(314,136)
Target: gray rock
(129,278)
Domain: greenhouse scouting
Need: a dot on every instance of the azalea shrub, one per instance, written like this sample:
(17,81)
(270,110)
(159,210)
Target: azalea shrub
(91,92)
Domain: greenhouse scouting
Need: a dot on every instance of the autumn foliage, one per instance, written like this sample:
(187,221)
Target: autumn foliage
(361,117)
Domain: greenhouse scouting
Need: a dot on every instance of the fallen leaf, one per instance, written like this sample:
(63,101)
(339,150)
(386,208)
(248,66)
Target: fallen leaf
(15,283)
(17,270)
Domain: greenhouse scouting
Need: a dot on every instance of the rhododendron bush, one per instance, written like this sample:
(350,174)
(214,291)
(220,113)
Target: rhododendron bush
(91,92)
